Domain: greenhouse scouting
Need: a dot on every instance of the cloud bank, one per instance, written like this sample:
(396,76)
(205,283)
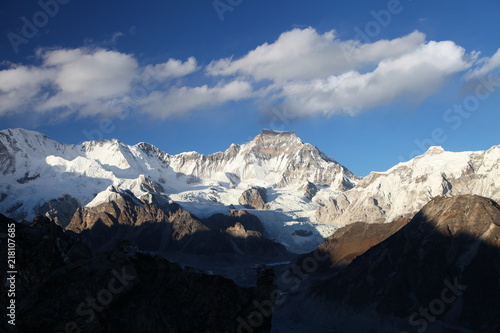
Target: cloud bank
(307,72)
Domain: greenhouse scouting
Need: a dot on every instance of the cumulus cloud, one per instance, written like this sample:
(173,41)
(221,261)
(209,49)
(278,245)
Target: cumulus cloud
(173,68)
(415,75)
(179,101)
(316,73)
(84,77)
(22,86)
(487,66)
(305,54)
(307,72)
(83,81)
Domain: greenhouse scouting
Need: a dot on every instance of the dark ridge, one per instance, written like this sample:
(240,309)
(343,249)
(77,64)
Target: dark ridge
(62,287)
(445,261)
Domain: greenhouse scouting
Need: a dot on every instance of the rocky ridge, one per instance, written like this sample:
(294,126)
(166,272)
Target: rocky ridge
(166,227)
(63,287)
(440,272)
(404,189)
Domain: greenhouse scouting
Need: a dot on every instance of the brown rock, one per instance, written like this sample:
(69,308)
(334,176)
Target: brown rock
(254,198)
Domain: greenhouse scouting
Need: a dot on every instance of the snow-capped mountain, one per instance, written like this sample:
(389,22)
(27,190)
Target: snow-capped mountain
(272,158)
(304,194)
(407,187)
(40,175)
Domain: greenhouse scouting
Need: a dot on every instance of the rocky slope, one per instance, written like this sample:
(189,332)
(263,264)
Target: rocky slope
(354,239)
(439,273)
(118,291)
(254,198)
(161,226)
(407,187)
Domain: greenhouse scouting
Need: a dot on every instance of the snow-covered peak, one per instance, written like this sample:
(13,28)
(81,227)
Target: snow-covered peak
(113,194)
(406,187)
(270,137)
(30,142)
(434,150)
(23,135)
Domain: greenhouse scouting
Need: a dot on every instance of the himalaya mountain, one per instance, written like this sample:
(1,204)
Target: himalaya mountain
(407,187)
(40,175)
(301,195)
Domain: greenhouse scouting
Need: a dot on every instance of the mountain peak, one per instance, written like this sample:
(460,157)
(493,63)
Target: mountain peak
(472,214)
(434,150)
(274,136)
(271,132)
(23,133)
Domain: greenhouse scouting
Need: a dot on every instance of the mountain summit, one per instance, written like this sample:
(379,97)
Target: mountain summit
(271,158)
(43,176)
(269,135)
(407,187)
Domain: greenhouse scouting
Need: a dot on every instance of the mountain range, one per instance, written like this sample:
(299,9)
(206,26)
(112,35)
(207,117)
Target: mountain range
(303,195)
(268,236)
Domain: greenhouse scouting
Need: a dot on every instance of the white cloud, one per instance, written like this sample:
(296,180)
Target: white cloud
(308,72)
(305,54)
(21,87)
(487,66)
(173,68)
(86,82)
(17,77)
(180,101)
(316,73)
(414,75)
(115,37)
(84,77)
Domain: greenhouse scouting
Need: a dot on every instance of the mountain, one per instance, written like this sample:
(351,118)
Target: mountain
(165,227)
(272,158)
(301,195)
(62,287)
(438,273)
(354,239)
(42,176)
(362,260)
(407,187)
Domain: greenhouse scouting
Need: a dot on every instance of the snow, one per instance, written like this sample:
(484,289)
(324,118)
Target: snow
(406,187)
(97,171)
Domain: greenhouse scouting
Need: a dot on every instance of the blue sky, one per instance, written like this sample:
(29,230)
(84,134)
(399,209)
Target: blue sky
(370,83)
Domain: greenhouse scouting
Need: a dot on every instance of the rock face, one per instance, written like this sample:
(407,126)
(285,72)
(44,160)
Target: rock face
(254,198)
(166,227)
(438,272)
(249,221)
(117,291)
(354,239)
(239,231)
(407,187)
(309,189)
(124,216)
(60,210)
